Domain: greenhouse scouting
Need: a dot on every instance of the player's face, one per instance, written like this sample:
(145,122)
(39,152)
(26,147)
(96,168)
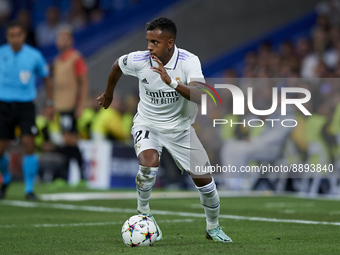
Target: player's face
(16,37)
(159,43)
(64,41)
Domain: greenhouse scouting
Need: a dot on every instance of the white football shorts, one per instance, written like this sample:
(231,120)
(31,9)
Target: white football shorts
(184,147)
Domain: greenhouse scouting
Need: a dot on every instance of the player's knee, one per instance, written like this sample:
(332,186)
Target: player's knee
(201,181)
(28,145)
(148,158)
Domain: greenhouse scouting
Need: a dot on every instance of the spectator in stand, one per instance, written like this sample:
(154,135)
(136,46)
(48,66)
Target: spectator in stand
(96,16)
(231,75)
(250,60)
(46,32)
(336,72)
(334,35)
(309,58)
(286,49)
(274,65)
(77,16)
(24,18)
(320,40)
(323,22)
(264,52)
(249,72)
(321,70)
(302,48)
(93,11)
(5,11)
(331,56)
(331,9)
(90,5)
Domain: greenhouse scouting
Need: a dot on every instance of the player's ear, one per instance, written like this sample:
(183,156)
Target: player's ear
(171,43)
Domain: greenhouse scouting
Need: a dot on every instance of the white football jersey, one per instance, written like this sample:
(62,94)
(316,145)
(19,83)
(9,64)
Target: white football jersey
(161,106)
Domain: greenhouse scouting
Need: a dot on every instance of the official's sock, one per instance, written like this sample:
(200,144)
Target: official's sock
(211,203)
(30,166)
(4,170)
(145,180)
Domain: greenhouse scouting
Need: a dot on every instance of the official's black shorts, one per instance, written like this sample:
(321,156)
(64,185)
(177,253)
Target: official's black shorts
(17,114)
(68,122)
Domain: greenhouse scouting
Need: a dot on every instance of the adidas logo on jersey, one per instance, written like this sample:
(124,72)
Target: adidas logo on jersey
(145,81)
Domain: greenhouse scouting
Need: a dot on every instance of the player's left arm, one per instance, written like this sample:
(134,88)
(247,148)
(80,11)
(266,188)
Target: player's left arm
(83,85)
(191,92)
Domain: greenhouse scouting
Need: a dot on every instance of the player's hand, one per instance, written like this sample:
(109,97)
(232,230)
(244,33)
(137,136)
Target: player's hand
(49,112)
(161,70)
(104,100)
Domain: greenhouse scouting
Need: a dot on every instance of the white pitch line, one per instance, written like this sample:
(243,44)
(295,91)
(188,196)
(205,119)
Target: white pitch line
(8,226)
(83,196)
(77,224)
(184,214)
(87,224)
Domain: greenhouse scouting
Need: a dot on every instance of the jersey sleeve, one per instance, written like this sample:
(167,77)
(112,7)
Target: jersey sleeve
(193,70)
(42,66)
(80,66)
(127,65)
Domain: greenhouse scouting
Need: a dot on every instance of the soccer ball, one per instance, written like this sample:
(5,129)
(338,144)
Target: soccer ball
(139,230)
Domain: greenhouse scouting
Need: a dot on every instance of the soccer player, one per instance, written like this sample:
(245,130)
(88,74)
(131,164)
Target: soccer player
(167,78)
(70,91)
(20,64)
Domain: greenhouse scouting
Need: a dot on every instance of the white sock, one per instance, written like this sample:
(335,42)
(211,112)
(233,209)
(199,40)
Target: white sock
(145,180)
(211,203)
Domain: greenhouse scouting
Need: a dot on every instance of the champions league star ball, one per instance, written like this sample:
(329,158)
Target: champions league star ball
(139,230)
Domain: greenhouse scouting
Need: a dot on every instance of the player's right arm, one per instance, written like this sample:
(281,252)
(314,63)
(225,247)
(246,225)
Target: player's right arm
(126,64)
(115,73)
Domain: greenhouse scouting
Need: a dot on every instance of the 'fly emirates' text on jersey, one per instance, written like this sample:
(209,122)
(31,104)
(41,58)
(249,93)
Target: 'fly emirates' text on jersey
(161,106)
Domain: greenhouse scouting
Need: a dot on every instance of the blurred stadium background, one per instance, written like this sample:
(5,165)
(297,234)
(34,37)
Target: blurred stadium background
(234,39)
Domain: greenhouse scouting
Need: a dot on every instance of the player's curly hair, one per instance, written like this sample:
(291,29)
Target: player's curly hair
(164,24)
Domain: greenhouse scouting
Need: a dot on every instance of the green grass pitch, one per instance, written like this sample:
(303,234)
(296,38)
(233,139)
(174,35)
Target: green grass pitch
(93,226)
